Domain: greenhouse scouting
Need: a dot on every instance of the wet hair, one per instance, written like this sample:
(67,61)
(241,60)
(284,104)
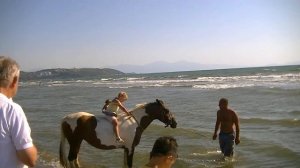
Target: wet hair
(164,146)
(9,69)
(223,101)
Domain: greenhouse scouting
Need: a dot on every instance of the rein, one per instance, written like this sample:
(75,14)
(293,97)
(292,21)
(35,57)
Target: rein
(138,123)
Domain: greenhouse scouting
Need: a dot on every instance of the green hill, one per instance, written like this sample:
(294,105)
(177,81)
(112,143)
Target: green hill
(75,73)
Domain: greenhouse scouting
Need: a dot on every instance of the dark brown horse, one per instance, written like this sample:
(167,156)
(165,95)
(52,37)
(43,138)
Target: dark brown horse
(98,131)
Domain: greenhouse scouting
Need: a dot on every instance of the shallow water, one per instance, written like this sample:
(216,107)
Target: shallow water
(266,100)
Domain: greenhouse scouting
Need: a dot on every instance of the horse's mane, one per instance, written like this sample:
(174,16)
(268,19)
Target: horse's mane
(139,106)
(142,106)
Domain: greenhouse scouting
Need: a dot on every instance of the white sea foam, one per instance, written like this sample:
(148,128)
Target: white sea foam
(215,152)
(222,86)
(133,79)
(51,164)
(119,87)
(105,79)
(276,80)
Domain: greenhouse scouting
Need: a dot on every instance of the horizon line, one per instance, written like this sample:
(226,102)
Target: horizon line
(229,68)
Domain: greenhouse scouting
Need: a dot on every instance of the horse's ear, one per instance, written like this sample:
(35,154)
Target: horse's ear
(159,102)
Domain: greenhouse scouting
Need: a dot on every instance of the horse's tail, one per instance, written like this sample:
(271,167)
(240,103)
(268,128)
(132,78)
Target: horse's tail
(62,153)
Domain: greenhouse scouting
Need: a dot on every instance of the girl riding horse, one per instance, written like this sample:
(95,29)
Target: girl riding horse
(98,131)
(111,109)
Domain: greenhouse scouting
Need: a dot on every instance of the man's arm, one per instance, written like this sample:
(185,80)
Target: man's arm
(237,128)
(217,126)
(20,133)
(28,156)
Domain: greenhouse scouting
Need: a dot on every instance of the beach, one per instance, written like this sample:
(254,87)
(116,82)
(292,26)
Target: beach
(266,100)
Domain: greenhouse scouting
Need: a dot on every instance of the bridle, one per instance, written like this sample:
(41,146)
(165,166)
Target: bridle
(167,118)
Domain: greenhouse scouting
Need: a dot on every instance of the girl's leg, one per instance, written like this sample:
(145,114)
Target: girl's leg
(116,129)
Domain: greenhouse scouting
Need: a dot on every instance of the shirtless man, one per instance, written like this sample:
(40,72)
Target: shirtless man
(227,119)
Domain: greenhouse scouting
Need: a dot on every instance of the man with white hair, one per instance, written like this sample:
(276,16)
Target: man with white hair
(16,147)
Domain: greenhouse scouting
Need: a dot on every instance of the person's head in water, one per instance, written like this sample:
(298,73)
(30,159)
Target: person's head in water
(122,96)
(223,104)
(164,152)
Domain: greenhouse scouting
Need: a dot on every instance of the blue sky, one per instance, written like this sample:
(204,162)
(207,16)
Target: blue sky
(102,33)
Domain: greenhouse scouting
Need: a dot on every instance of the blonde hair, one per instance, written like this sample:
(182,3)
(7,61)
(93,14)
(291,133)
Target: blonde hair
(123,95)
(9,69)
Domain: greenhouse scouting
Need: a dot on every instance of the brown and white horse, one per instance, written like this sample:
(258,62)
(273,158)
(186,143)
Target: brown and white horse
(98,131)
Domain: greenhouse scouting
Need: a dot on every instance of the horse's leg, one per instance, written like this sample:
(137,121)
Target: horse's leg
(125,158)
(77,162)
(128,158)
(73,153)
(66,132)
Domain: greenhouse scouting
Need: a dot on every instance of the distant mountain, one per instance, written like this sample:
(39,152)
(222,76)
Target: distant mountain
(162,66)
(75,73)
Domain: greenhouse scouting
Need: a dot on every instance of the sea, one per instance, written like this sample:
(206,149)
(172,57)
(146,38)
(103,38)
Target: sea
(266,99)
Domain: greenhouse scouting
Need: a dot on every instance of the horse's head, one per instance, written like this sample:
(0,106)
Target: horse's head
(160,112)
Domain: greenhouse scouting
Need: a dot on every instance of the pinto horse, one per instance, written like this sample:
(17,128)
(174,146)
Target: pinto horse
(98,131)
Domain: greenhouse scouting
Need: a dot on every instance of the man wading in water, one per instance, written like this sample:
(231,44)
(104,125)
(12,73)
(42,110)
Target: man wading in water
(226,120)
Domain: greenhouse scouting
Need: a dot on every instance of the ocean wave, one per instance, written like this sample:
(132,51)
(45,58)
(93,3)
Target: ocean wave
(31,83)
(272,153)
(256,78)
(265,121)
(135,79)
(82,81)
(222,86)
(267,69)
(58,84)
(119,87)
(106,79)
(287,81)
(181,76)
(295,113)
(213,152)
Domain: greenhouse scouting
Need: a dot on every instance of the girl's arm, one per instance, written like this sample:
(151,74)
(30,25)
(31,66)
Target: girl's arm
(122,107)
